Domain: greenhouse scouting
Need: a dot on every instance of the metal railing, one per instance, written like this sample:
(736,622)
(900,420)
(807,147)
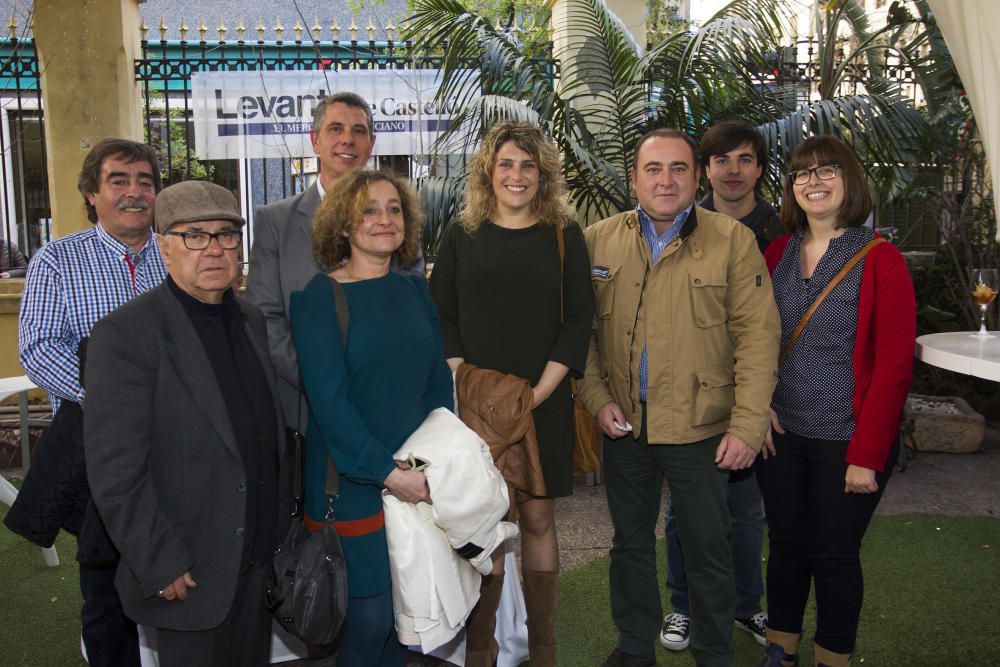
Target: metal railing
(164,72)
(24,189)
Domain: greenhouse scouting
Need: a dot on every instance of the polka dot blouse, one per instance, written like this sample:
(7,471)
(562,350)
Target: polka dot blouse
(816,380)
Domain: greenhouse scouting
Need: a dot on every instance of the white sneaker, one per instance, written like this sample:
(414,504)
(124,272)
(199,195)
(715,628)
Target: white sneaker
(675,633)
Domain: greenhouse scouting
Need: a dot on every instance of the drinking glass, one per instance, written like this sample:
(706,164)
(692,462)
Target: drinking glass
(984,290)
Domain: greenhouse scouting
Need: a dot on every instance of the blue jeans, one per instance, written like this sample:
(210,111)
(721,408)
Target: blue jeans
(747,538)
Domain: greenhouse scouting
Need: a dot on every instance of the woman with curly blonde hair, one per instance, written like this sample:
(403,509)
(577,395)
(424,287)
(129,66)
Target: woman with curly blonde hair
(511,301)
(367,394)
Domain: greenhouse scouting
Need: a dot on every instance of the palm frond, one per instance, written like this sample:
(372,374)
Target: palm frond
(884,132)
(441,198)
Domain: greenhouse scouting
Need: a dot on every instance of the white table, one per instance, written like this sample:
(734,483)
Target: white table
(962,353)
(8,492)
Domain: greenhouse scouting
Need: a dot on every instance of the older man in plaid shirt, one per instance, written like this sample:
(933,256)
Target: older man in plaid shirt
(71,283)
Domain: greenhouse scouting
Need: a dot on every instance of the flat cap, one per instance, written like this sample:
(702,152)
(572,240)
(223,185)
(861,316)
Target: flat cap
(195,201)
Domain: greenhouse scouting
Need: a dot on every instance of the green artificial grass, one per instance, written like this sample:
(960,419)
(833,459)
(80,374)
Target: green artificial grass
(39,605)
(932,597)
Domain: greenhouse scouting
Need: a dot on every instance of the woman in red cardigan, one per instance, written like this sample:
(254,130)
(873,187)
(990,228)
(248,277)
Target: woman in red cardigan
(841,387)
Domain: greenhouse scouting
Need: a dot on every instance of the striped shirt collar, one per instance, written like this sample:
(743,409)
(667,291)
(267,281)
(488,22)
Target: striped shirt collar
(659,242)
(123,249)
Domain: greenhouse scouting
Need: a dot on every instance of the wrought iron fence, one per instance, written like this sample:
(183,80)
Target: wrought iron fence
(165,71)
(24,191)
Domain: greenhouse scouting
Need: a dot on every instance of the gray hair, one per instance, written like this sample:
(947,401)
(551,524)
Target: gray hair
(343,97)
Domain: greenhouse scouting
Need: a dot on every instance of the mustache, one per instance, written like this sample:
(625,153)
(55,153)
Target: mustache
(127,202)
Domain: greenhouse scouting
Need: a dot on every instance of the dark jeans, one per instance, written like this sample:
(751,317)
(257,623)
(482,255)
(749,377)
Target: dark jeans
(110,637)
(243,639)
(746,512)
(815,531)
(634,474)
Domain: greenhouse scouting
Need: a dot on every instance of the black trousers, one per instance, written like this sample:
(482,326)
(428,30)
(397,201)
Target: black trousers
(243,639)
(110,637)
(815,531)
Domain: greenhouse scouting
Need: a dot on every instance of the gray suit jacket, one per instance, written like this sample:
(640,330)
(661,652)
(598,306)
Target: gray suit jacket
(163,463)
(281,262)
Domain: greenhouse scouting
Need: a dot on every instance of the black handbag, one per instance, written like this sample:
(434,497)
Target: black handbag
(307,591)
(307,585)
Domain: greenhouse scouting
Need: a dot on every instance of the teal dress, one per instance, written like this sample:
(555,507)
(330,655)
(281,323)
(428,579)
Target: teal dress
(365,399)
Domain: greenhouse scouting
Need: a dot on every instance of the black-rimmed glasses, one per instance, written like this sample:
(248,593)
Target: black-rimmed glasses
(823,172)
(229,239)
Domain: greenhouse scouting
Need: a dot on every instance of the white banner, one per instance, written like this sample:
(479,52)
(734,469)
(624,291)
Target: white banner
(241,115)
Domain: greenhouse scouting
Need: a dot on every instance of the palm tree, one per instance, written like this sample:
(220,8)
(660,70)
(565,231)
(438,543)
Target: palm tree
(610,90)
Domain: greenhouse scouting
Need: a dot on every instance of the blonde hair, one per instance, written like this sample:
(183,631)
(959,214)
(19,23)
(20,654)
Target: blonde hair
(343,209)
(480,200)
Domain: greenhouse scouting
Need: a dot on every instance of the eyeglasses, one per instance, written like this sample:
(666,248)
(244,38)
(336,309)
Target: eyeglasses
(229,239)
(824,173)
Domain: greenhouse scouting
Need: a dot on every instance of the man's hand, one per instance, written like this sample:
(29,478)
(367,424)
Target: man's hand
(860,480)
(178,589)
(407,484)
(775,427)
(606,417)
(733,453)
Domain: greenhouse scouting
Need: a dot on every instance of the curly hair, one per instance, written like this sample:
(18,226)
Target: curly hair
(480,201)
(343,209)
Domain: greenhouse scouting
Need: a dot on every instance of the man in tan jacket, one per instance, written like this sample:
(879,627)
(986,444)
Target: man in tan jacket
(682,363)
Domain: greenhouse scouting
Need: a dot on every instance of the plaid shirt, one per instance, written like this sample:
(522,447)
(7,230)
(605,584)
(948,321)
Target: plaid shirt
(657,244)
(72,282)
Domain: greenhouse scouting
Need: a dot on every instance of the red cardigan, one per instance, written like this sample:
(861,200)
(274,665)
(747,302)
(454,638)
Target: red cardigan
(883,350)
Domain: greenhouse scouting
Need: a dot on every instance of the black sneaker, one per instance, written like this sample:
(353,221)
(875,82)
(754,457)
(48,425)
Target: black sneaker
(756,625)
(675,633)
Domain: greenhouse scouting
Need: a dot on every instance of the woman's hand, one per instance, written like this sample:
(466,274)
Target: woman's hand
(552,375)
(859,480)
(768,448)
(408,485)
(537,396)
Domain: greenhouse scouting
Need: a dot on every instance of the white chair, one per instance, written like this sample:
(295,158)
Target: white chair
(8,492)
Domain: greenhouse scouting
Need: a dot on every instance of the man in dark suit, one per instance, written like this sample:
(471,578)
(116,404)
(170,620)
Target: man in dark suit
(183,439)
(281,259)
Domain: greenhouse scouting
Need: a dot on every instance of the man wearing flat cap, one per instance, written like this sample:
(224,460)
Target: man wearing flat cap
(182,432)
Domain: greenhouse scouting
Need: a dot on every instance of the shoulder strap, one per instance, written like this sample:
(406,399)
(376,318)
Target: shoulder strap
(561,242)
(343,313)
(332,486)
(851,263)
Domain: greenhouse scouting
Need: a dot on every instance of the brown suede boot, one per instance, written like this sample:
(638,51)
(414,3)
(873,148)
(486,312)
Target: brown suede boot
(541,597)
(826,658)
(480,648)
(782,649)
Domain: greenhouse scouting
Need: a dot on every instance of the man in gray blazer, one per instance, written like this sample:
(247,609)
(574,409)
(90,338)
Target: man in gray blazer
(184,442)
(281,260)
